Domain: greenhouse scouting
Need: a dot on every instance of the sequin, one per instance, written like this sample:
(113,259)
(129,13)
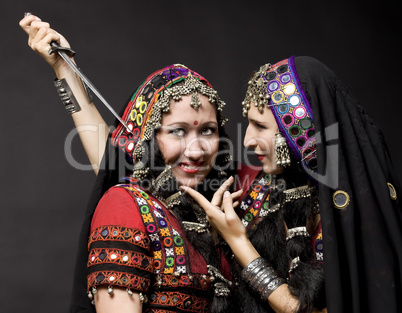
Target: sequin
(294,100)
(288,119)
(340,199)
(285,78)
(392,191)
(301,141)
(157,245)
(300,112)
(113,256)
(104,232)
(289,89)
(283,108)
(181,260)
(273,86)
(178,240)
(102,255)
(144,209)
(306,123)
(294,131)
(248,217)
(277,96)
(169,261)
(282,69)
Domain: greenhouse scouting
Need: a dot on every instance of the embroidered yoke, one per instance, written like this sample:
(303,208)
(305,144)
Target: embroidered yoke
(137,244)
(255,205)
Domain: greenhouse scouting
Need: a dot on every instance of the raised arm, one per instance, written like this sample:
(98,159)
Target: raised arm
(91,127)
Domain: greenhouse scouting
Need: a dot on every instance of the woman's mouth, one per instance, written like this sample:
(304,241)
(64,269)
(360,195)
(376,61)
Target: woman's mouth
(190,167)
(260,156)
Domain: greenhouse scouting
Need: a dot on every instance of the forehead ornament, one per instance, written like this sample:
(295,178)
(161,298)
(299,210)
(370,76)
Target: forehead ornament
(192,86)
(257,90)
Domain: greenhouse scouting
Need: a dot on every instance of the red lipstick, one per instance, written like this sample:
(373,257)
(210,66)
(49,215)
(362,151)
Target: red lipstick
(190,167)
(260,156)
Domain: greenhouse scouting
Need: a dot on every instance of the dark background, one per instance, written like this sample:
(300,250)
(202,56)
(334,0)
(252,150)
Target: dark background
(118,44)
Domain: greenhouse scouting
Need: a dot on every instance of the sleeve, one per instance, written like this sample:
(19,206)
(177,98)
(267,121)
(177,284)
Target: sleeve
(119,248)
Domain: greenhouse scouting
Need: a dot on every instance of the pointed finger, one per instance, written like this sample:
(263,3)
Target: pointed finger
(202,201)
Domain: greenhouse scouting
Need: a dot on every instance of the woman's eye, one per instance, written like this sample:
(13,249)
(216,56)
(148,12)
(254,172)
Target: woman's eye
(208,131)
(178,132)
(260,126)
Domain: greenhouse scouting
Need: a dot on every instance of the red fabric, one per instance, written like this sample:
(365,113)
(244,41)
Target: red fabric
(117,208)
(245,176)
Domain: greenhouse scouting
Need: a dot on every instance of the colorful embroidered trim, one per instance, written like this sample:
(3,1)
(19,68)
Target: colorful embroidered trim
(120,257)
(292,111)
(256,202)
(180,301)
(196,281)
(121,279)
(123,234)
(170,252)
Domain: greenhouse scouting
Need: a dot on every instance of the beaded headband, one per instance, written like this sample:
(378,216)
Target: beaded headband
(278,87)
(144,111)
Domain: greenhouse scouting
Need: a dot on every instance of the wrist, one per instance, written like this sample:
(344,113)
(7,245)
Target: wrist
(243,250)
(63,70)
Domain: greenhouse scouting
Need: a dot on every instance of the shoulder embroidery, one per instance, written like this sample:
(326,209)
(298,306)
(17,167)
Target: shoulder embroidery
(167,243)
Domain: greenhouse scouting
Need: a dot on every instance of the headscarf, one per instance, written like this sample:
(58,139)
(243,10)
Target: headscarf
(359,193)
(142,115)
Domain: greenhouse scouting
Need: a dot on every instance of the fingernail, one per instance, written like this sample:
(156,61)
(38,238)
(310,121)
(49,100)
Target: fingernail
(37,18)
(226,194)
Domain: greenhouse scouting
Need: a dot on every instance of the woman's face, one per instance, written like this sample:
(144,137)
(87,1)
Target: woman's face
(189,140)
(260,136)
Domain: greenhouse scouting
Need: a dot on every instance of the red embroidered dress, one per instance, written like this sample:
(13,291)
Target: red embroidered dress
(136,243)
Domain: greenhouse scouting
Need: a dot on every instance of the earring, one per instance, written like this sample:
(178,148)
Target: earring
(228,158)
(282,155)
(164,176)
(173,200)
(140,171)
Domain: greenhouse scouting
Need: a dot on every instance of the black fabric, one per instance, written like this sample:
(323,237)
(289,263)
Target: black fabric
(362,242)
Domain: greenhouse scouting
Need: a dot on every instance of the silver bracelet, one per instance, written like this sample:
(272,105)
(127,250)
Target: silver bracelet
(271,287)
(252,268)
(261,277)
(67,96)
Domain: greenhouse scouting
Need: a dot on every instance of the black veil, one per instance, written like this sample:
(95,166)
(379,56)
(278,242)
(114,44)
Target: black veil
(363,240)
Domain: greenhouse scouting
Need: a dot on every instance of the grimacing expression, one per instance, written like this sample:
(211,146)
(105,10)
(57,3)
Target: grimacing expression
(189,140)
(260,136)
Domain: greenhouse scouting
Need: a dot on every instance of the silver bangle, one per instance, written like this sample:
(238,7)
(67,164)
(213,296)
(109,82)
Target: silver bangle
(67,96)
(271,287)
(252,268)
(261,277)
(266,275)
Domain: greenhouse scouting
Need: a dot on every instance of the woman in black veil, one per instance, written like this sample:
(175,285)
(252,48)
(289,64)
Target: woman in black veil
(323,217)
